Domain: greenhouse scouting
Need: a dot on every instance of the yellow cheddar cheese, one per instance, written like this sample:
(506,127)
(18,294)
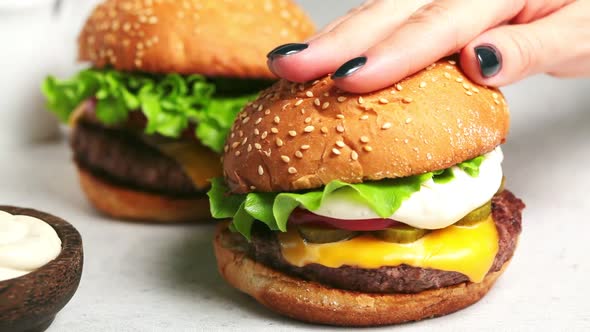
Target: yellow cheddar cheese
(469,250)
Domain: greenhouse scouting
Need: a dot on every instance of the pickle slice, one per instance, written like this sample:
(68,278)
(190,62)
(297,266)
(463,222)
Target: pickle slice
(315,234)
(477,215)
(401,234)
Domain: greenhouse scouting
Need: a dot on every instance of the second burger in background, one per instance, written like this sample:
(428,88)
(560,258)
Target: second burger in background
(168,77)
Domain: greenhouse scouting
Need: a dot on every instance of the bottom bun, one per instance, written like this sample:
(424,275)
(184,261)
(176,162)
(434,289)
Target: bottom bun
(315,303)
(124,203)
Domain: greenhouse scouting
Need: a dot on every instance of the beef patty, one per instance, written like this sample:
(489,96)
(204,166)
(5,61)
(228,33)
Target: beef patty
(265,249)
(123,158)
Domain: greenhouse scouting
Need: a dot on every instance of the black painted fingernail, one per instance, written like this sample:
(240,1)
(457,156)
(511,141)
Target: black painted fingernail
(490,60)
(350,67)
(287,49)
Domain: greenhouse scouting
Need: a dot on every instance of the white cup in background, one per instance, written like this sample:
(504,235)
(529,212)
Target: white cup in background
(33,45)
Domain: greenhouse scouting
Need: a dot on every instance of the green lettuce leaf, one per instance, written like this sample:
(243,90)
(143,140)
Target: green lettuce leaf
(273,209)
(169,102)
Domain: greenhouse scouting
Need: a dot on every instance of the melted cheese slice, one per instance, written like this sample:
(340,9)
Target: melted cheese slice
(197,161)
(469,250)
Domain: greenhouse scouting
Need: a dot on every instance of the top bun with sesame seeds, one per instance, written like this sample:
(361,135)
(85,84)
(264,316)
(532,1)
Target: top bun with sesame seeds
(191,36)
(302,136)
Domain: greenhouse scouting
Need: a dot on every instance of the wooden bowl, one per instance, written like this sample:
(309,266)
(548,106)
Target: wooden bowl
(30,303)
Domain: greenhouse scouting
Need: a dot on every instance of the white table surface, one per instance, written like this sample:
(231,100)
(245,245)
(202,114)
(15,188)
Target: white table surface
(140,277)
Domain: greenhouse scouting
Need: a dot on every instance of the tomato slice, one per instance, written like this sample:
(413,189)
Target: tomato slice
(300,217)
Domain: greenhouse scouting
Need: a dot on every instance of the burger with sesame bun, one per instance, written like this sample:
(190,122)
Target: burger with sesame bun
(370,209)
(166,80)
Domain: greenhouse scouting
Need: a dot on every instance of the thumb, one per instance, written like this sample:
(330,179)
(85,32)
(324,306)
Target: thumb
(509,53)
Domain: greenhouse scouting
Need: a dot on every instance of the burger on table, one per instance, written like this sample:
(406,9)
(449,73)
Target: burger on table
(367,209)
(166,80)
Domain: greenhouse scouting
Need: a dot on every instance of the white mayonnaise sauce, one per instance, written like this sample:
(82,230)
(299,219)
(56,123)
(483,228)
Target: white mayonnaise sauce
(436,205)
(26,244)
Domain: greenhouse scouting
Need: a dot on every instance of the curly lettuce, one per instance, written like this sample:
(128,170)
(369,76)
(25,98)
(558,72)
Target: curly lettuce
(169,102)
(384,197)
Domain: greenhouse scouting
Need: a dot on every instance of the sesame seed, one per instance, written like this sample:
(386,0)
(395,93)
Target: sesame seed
(399,87)
(307,120)
(305,147)
(326,94)
(308,129)
(274,130)
(292,133)
(364,139)
(367,148)
(267,112)
(238,153)
(235,145)
(324,130)
(407,100)
(448,67)
(303,111)
(285,158)
(260,107)
(325,105)
(244,140)
(340,128)
(226,148)
(264,134)
(466,86)
(459,79)
(339,116)
(260,170)
(447,75)
(309,94)
(279,142)
(495,95)
(317,102)
(277,119)
(452,62)
(469,93)
(298,102)
(383,101)
(336,151)
(406,141)
(497,101)
(257,146)
(249,148)
(252,187)
(258,121)
(364,117)
(474,89)
(422,84)
(340,144)
(256,131)
(386,125)
(292,170)
(341,99)
(408,120)
(354,155)
(298,154)
(361,100)
(315,82)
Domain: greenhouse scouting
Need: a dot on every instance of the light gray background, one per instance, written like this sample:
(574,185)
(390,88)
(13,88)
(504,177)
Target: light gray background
(164,278)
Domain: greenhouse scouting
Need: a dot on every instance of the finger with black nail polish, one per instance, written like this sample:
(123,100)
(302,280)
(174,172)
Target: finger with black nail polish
(489,59)
(350,67)
(287,49)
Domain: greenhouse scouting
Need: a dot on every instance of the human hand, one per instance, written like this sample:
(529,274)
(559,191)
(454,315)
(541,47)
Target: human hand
(499,41)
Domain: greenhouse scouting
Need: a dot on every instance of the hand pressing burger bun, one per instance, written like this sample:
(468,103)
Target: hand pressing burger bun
(166,80)
(368,209)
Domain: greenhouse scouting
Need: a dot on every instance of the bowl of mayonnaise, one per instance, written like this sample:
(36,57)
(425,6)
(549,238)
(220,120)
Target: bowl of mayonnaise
(41,260)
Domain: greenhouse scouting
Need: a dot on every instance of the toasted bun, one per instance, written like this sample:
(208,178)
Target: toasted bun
(227,38)
(123,203)
(312,302)
(300,136)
